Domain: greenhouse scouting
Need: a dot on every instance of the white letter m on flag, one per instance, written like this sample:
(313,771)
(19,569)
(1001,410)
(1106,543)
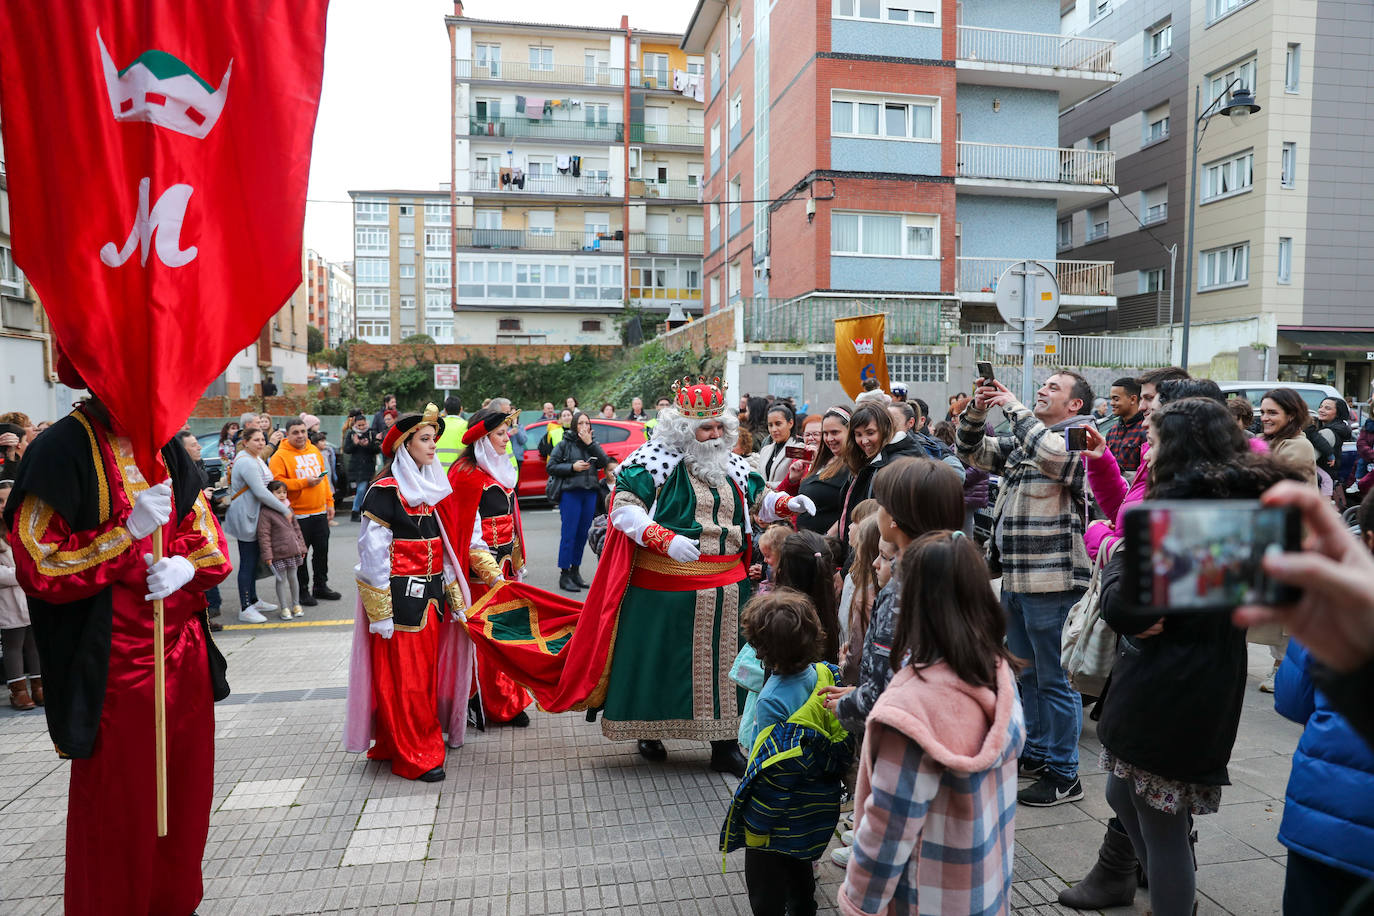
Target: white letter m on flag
(165,220)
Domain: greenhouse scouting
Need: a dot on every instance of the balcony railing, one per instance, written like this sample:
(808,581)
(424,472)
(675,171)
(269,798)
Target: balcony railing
(1121,352)
(666,244)
(666,190)
(546,128)
(1037,163)
(1036,49)
(651,79)
(557,74)
(534,240)
(1076,278)
(812,320)
(668,134)
(548,184)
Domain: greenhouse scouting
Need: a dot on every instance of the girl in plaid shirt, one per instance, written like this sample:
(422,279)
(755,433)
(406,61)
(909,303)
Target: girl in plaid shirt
(936,797)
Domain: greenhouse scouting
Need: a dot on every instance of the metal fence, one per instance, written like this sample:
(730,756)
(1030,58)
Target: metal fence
(1036,163)
(1036,49)
(666,190)
(533,240)
(667,244)
(546,128)
(521,72)
(812,320)
(1102,352)
(557,183)
(668,135)
(1076,278)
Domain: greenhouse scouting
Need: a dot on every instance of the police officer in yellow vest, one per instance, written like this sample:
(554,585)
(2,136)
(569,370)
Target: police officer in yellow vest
(450,444)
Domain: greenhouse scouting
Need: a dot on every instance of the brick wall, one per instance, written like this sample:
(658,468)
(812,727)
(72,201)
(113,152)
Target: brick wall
(716,331)
(366,358)
(278,406)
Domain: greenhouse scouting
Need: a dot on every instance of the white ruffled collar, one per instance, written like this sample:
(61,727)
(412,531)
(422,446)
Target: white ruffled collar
(419,486)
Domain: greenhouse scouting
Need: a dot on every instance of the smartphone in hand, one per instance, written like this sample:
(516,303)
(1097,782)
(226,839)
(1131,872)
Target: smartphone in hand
(1076,438)
(985,371)
(797,451)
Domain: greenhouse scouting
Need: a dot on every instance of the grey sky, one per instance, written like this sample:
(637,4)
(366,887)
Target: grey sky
(384,111)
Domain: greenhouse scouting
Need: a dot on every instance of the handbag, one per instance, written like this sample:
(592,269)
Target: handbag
(1088,645)
(553,489)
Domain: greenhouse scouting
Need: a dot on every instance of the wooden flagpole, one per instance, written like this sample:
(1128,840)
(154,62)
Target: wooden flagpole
(159,701)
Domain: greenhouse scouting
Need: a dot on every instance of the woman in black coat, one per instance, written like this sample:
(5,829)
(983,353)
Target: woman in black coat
(871,444)
(1172,707)
(577,460)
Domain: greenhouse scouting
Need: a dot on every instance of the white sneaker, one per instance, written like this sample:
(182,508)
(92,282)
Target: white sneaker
(262,607)
(285,613)
(300,611)
(840,856)
(250,615)
(1353,489)
(847,838)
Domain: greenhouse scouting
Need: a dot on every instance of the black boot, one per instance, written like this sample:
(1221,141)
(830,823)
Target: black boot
(1110,882)
(565,581)
(726,758)
(652,750)
(575,573)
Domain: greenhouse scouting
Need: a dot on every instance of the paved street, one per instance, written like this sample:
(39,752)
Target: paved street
(549,819)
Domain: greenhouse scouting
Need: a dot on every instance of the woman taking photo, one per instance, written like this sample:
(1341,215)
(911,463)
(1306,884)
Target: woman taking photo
(870,446)
(249,477)
(577,460)
(1171,716)
(772,462)
(227,434)
(1283,417)
(827,477)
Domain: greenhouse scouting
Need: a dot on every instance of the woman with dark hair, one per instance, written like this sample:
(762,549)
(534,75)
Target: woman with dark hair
(805,563)
(1330,435)
(869,446)
(554,432)
(1283,417)
(577,460)
(227,448)
(771,461)
(249,495)
(755,418)
(1171,716)
(828,477)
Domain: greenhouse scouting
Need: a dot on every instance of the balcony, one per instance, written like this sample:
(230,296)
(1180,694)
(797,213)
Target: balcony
(1071,65)
(1074,177)
(668,135)
(1082,284)
(666,244)
(556,185)
(1089,352)
(587,241)
(666,190)
(812,320)
(546,128)
(658,79)
(554,75)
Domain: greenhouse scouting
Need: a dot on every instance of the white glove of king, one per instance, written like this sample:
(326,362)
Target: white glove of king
(800,504)
(684,550)
(383,628)
(167,575)
(152,509)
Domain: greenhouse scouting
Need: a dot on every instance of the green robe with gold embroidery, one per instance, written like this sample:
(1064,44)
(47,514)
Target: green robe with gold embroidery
(669,674)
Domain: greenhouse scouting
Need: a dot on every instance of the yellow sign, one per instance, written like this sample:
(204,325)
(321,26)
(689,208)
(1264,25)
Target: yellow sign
(859,353)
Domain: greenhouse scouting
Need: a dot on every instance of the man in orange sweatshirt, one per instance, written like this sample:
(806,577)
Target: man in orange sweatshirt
(300,466)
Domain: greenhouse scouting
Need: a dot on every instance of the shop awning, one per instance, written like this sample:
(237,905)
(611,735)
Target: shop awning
(1328,341)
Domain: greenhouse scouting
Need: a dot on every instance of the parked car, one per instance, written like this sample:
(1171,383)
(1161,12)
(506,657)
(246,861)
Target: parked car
(214,471)
(618,437)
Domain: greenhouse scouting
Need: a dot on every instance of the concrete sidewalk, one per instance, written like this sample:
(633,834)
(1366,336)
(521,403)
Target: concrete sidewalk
(549,819)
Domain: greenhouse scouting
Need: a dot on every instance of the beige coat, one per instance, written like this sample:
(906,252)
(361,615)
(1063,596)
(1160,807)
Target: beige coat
(14,607)
(1298,452)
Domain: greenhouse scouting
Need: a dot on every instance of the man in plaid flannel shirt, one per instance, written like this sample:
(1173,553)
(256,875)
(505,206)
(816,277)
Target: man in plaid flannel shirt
(1128,435)
(1037,548)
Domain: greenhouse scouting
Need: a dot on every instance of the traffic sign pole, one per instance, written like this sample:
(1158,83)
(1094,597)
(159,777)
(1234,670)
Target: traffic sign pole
(1027,338)
(1038,291)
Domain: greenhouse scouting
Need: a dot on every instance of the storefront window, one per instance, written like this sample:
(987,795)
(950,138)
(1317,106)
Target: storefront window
(1307,370)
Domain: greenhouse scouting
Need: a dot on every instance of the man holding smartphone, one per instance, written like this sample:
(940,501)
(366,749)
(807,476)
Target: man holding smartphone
(1037,548)
(300,466)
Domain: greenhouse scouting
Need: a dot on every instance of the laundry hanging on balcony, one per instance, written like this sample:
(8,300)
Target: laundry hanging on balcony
(562,163)
(692,85)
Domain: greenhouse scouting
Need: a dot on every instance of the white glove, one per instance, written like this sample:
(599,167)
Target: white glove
(152,509)
(167,575)
(684,549)
(383,628)
(800,504)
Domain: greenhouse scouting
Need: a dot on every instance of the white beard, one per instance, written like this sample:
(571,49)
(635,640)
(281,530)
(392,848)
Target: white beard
(708,461)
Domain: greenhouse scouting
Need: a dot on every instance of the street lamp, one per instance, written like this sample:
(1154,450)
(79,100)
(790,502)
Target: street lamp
(1238,108)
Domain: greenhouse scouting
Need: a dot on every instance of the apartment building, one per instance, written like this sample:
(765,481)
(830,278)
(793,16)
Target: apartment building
(402,265)
(317,291)
(577,171)
(889,155)
(1283,211)
(340,304)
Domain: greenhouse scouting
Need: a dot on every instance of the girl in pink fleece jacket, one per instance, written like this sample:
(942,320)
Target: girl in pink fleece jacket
(936,798)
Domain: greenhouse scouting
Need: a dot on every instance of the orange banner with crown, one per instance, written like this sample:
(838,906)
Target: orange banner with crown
(859,352)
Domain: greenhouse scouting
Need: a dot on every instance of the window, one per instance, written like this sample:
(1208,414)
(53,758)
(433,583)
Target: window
(436,301)
(436,242)
(1291,66)
(372,302)
(715,72)
(1102,142)
(909,12)
(539,222)
(437,273)
(1064,238)
(440,330)
(1218,8)
(374,331)
(1156,123)
(541,58)
(1151,281)
(1097,223)
(406,240)
(407,305)
(1285,269)
(1154,205)
(1158,41)
(887,118)
(737,26)
(368,240)
(1223,267)
(1288,166)
(736,110)
(591,327)
(508,324)
(1098,8)
(488,56)
(696,66)
(1244,72)
(369,211)
(597,114)
(373,271)
(1233,175)
(656,71)
(406,272)
(888,235)
(405,209)
(733,195)
(732,282)
(437,213)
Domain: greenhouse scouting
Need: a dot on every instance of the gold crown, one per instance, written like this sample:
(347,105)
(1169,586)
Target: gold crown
(702,400)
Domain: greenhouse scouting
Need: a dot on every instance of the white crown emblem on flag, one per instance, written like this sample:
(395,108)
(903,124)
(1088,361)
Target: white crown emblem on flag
(863,346)
(159,88)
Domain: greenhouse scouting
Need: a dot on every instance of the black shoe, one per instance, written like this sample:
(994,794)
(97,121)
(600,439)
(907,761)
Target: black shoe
(434,775)
(355,516)
(308,600)
(216,627)
(325,593)
(1112,879)
(521,720)
(1049,790)
(653,750)
(215,611)
(576,575)
(1031,768)
(565,581)
(726,758)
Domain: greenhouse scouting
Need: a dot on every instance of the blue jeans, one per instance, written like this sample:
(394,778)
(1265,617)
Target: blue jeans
(248,573)
(1054,710)
(358,497)
(576,508)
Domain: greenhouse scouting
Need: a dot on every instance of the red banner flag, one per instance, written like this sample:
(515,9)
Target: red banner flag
(158,155)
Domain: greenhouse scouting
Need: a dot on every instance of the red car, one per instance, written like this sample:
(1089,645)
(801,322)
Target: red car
(618,437)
